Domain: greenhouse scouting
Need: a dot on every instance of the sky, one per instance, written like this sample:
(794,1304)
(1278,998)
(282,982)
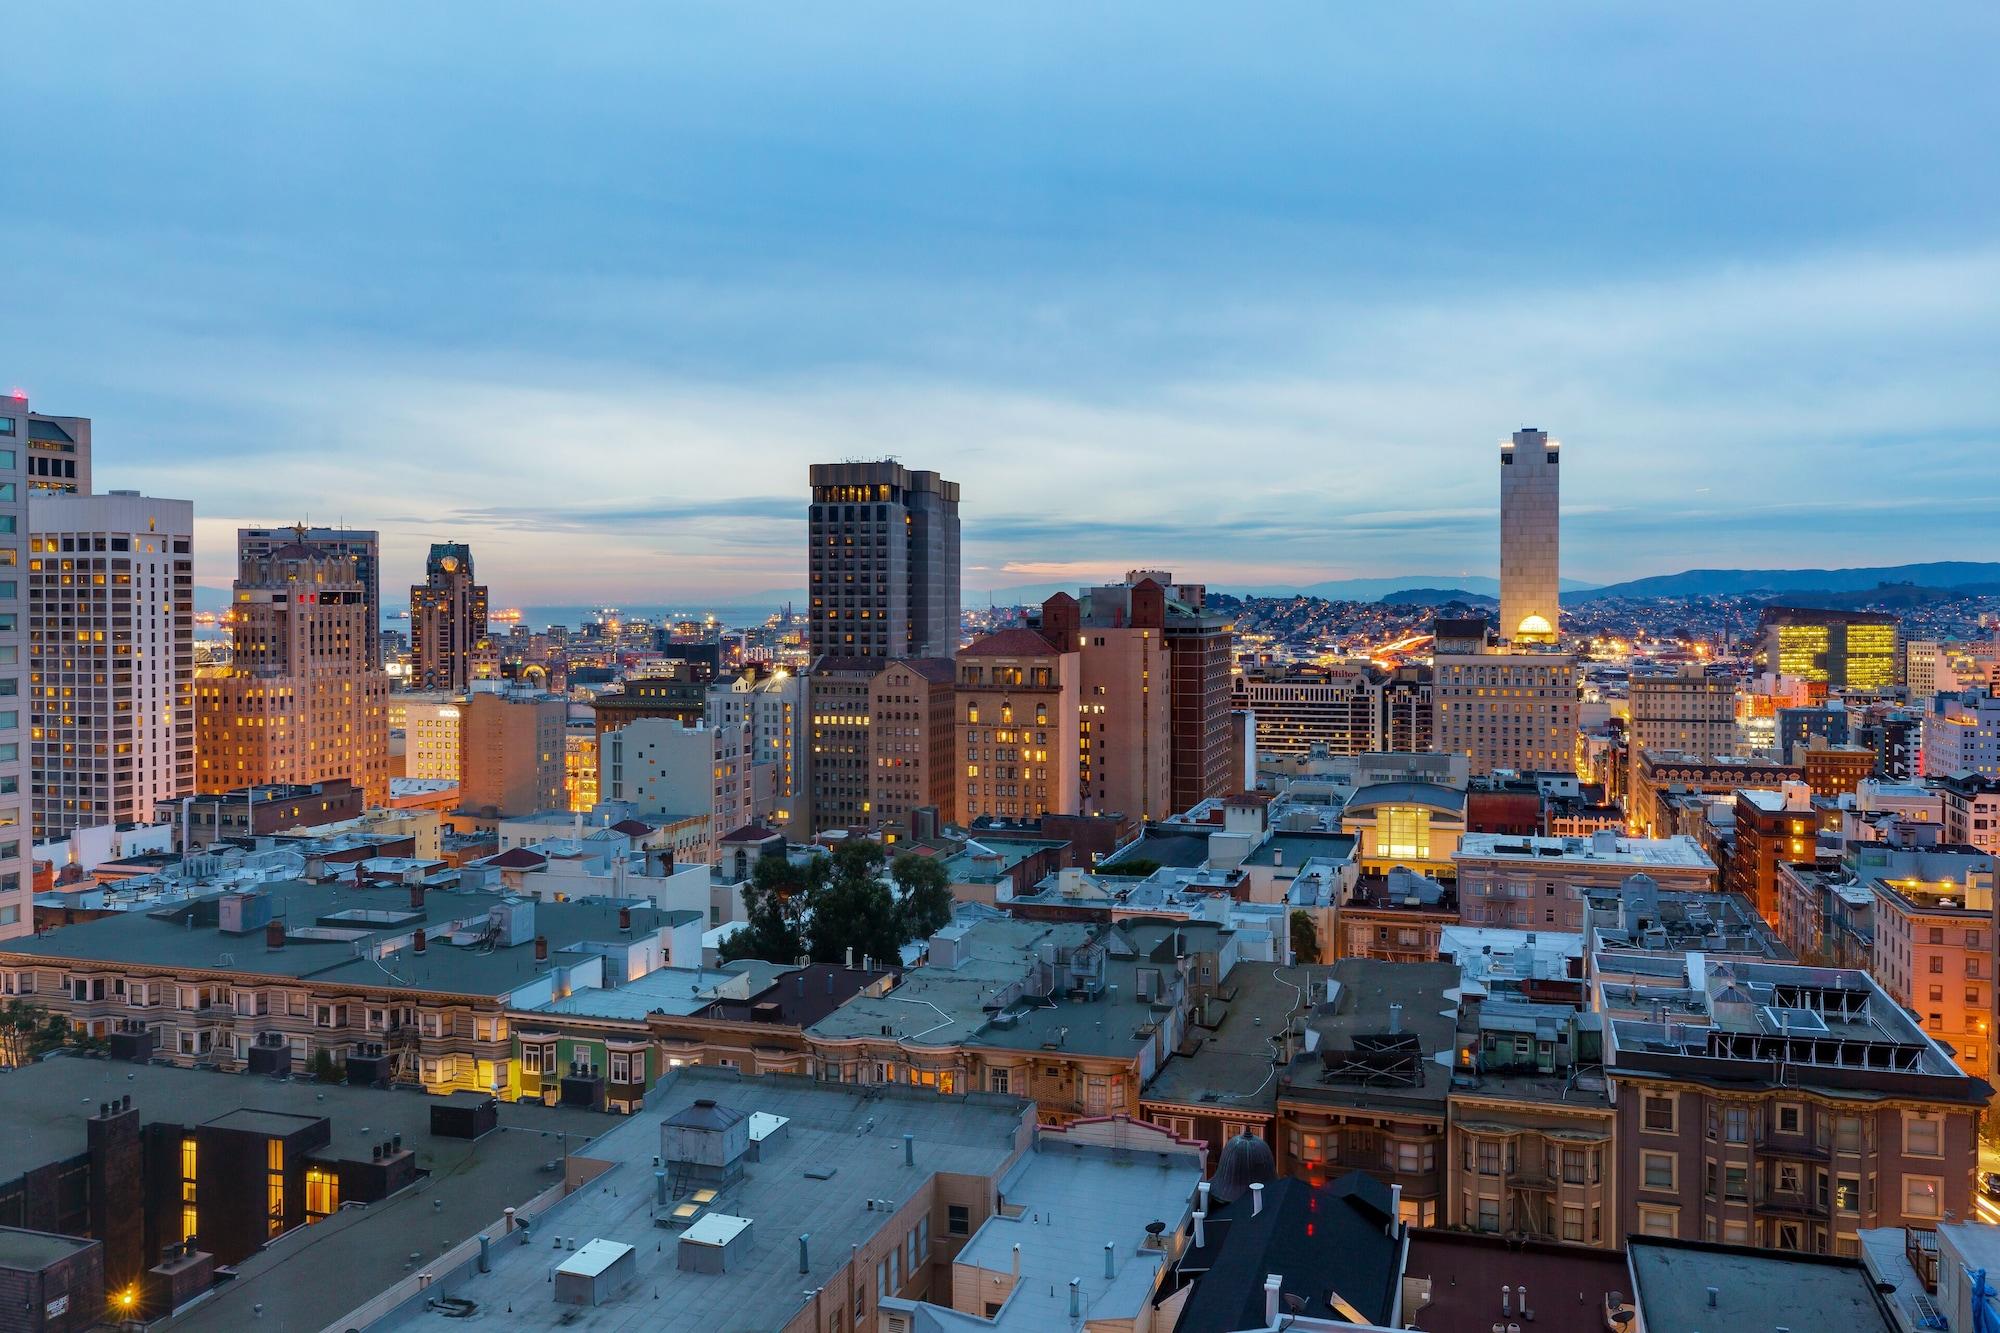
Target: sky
(1248,292)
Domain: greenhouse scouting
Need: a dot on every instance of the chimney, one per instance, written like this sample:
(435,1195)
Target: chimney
(541,948)
(1506,1300)
(1256,1199)
(274,934)
(805,1254)
(1395,1208)
(1273,1286)
(1395,1018)
(624,918)
(418,946)
(1017,1260)
(1110,1263)
(1200,1229)
(1075,1298)
(416,897)
(909,1150)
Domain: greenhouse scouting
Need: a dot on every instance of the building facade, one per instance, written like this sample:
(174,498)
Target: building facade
(56,450)
(882,558)
(657,764)
(913,755)
(448,621)
(362,544)
(511,753)
(17,881)
(1690,712)
(1841,651)
(111,643)
(1962,734)
(1542,883)
(299,702)
(1507,710)
(1018,734)
(1530,537)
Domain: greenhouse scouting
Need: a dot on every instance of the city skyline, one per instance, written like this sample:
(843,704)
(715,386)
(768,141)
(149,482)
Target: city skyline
(1332,269)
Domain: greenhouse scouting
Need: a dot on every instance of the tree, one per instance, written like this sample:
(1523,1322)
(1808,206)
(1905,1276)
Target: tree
(27,1032)
(1305,938)
(926,889)
(775,906)
(855,910)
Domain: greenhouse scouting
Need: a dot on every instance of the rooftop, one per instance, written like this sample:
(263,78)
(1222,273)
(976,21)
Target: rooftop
(1679,852)
(311,1274)
(666,990)
(1380,1037)
(1754,1289)
(338,933)
(842,1146)
(1466,1272)
(31,1251)
(1234,1046)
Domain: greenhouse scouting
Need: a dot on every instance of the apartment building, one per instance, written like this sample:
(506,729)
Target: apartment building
(511,752)
(658,764)
(1961,734)
(17,880)
(111,643)
(1971,811)
(1018,727)
(1544,883)
(913,740)
(1689,712)
(1776,1105)
(362,545)
(1934,944)
(397,984)
(432,723)
(1773,828)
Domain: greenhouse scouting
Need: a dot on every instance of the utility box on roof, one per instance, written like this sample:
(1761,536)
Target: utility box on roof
(596,1273)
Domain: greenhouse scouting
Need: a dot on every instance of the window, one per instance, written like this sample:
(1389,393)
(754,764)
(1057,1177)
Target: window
(1791,1236)
(1921,1195)
(996,1080)
(1922,1137)
(322,1192)
(957,1220)
(1572,1224)
(1736,1182)
(1660,1170)
(1847,1133)
(1663,1222)
(621,1067)
(1788,1179)
(1659,1113)
(1736,1124)
(1489,1215)
(1791,1118)
(1489,1158)
(1847,1193)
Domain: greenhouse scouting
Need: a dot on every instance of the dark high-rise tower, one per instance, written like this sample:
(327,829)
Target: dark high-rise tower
(447,620)
(883,562)
(364,545)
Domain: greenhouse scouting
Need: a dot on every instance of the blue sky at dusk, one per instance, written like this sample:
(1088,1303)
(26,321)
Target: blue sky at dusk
(1248,291)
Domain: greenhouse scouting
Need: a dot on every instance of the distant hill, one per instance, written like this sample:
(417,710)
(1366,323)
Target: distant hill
(1438,597)
(1946,574)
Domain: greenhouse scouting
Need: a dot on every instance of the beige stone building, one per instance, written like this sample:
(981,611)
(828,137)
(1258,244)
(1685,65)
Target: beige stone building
(1017,727)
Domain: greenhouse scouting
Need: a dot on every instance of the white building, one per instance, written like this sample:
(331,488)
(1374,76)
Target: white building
(111,586)
(1530,521)
(772,708)
(659,763)
(1962,734)
(431,729)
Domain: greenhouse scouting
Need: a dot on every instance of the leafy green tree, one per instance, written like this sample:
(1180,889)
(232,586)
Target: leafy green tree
(856,909)
(776,903)
(28,1032)
(1305,938)
(926,894)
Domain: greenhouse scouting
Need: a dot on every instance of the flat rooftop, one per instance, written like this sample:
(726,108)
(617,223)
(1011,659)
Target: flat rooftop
(842,1146)
(1368,987)
(993,956)
(184,935)
(1755,1289)
(1466,1272)
(32,1251)
(1077,1200)
(666,990)
(1679,852)
(311,1275)
(1239,1044)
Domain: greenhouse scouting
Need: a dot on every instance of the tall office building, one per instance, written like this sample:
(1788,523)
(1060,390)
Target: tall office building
(17,887)
(882,561)
(447,620)
(1503,710)
(1530,524)
(1842,651)
(364,544)
(57,458)
(111,645)
(299,702)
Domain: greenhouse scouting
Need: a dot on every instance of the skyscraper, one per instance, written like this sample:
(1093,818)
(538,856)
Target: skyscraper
(882,561)
(1530,522)
(111,641)
(1842,651)
(447,620)
(58,459)
(17,889)
(299,702)
(363,544)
